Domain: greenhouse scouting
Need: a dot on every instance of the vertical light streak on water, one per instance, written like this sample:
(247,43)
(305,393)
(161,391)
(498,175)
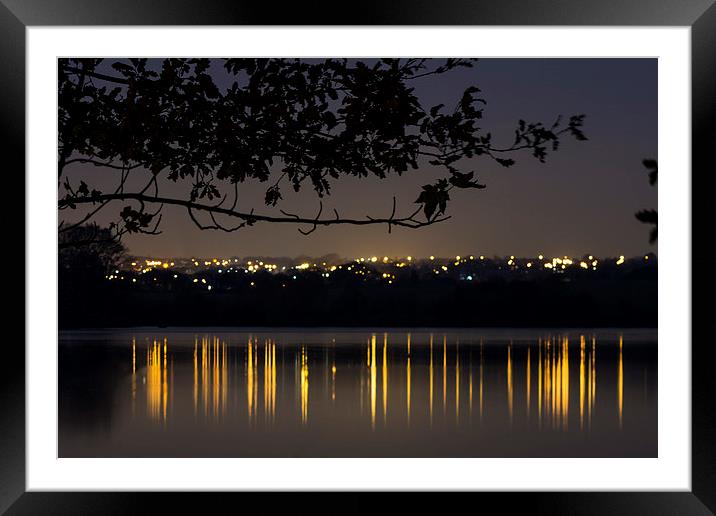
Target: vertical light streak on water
(215,378)
(620,386)
(548,379)
(408,381)
(134,377)
(255,388)
(457,383)
(385,375)
(539,383)
(407,396)
(171,384)
(469,395)
(528,380)
(304,386)
(205,364)
(509,382)
(362,374)
(154,381)
(165,391)
(333,380)
(594,373)
(195,389)
(558,383)
(267,380)
(431,380)
(565,385)
(581,382)
(481,381)
(554,381)
(223,382)
(250,381)
(273,379)
(444,375)
(373,382)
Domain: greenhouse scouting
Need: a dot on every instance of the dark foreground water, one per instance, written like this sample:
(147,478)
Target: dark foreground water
(359,393)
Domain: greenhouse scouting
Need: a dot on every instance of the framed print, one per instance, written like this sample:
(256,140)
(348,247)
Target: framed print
(413,249)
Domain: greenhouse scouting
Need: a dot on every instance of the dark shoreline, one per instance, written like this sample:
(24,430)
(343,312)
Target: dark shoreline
(590,302)
(329,327)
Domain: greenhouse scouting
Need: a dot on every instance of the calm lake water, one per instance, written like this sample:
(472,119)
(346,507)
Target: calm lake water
(358,393)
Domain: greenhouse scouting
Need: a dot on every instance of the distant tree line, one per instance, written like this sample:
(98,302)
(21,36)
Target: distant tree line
(624,296)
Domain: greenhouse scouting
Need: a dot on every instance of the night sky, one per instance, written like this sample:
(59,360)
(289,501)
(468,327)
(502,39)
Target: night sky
(582,200)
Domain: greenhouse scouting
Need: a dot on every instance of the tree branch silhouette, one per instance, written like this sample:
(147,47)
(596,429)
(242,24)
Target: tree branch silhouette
(308,123)
(650,216)
(251,218)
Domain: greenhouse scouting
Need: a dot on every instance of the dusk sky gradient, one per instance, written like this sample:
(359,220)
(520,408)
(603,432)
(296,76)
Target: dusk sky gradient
(581,201)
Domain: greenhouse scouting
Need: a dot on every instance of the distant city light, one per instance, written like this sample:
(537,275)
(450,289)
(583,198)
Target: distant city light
(378,268)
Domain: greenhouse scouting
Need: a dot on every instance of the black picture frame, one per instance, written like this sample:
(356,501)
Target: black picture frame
(700,15)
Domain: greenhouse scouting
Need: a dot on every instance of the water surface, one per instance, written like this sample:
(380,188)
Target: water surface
(358,393)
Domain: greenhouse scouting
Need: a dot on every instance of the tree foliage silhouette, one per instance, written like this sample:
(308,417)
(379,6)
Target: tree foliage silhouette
(284,122)
(89,250)
(650,216)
